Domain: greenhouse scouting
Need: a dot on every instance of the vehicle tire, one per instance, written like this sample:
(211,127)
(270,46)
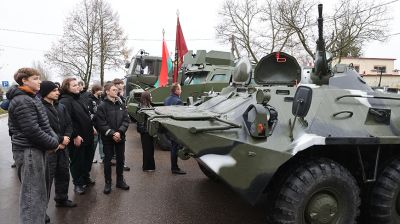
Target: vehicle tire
(163,142)
(384,204)
(320,191)
(212,176)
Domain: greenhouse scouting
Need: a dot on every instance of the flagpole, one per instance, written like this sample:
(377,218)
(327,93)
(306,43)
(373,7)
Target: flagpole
(175,77)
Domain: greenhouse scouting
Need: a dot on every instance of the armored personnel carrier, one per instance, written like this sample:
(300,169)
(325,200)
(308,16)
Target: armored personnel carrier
(321,152)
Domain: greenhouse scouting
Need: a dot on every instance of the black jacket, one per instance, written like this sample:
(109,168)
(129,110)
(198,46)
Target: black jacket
(110,118)
(28,122)
(59,119)
(93,103)
(80,117)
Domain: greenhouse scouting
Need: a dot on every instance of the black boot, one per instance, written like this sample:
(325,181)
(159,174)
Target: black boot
(107,187)
(121,184)
(66,204)
(47,220)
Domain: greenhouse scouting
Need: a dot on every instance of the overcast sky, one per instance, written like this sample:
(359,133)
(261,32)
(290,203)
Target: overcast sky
(143,22)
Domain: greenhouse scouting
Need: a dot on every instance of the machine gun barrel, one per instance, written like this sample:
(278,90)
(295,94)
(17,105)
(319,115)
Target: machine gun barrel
(320,74)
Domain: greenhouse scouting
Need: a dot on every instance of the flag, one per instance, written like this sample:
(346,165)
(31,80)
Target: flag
(180,50)
(166,66)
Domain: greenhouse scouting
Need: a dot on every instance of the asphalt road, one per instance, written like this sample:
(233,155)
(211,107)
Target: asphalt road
(154,198)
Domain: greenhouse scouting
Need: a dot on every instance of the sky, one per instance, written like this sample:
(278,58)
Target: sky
(142,21)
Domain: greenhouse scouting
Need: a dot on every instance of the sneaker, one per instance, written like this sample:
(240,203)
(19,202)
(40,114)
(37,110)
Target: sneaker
(121,184)
(95,161)
(126,168)
(79,189)
(66,204)
(149,171)
(178,171)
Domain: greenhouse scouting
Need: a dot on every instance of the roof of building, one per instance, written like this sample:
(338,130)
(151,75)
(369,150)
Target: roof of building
(365,58)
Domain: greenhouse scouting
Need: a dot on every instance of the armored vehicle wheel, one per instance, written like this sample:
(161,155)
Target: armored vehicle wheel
(384,204)
(319,192)
(212,176)
(163,142)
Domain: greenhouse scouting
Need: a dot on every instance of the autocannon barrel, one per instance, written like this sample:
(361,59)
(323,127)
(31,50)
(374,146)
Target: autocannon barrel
(321,71)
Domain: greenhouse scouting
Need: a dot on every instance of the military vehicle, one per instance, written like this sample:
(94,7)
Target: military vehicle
(203,72)
(321,152)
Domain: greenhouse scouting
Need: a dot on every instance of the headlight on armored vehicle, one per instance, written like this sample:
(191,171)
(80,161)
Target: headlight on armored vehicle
(257,120)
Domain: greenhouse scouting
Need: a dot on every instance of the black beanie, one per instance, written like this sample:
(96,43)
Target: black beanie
(46,87)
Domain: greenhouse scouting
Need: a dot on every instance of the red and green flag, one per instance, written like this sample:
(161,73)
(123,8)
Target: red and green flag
(166,67)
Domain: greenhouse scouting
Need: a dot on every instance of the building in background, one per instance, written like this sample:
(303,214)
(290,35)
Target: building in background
(376,71)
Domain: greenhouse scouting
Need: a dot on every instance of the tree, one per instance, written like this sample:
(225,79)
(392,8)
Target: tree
(290,25)
(92,41)
(238,21)
(112,41)
(75,53)
(45,74)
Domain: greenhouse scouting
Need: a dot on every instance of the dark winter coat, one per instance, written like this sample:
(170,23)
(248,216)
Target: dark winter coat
(80,117)
(28,122)
(59,119)
(172,100)
(94,102)
(110,118)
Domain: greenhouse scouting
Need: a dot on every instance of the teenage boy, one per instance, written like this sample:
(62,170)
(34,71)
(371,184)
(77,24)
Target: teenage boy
(112,121)
(57,162)
(31,137)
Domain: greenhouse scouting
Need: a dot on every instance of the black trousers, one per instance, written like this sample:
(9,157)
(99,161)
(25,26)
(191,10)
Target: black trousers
(58,170)
(81,163)
(148,151)
(120,157)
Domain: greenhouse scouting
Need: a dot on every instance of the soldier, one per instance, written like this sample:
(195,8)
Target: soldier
(81,150)
(58,162)
(112,121)
(31,137)
(174,99)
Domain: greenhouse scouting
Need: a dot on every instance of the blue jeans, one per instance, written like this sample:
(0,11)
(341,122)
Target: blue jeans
(31,166)
(97,139)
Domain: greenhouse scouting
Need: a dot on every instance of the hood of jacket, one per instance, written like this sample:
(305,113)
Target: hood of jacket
(15,91)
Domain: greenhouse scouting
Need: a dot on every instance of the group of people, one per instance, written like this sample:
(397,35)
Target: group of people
(55,129)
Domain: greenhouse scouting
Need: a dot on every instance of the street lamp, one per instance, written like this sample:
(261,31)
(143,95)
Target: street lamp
(380,69)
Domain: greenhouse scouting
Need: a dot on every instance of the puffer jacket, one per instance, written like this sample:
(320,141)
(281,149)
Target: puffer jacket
(110,118)
(28,122)
(80,117)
